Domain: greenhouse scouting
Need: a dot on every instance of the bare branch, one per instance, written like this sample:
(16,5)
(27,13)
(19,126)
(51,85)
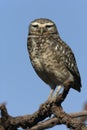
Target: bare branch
(33,122)
(83,119)
(54,121)
(67,119)
(79,114)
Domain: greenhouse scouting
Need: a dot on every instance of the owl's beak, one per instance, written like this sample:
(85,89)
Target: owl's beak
(42,30)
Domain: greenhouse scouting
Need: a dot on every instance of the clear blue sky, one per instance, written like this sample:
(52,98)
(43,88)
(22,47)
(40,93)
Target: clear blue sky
(20,87)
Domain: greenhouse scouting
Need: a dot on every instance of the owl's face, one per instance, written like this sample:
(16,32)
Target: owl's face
(42,27)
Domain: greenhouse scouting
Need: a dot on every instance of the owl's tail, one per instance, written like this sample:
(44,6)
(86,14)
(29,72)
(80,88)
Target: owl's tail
(77,84)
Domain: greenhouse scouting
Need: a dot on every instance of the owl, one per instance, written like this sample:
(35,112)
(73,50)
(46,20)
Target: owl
(51,58)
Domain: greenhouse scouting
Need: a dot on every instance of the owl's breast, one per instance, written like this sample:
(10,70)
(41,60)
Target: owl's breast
(36,48)
(47,61)
(43,55)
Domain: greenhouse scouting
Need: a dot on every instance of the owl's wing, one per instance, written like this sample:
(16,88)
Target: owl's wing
(71,65)
(67,57)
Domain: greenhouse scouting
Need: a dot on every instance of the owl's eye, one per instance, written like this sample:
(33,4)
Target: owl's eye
(35,25)
(49,26)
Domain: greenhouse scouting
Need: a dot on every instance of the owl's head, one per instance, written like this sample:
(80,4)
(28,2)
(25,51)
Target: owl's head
(42,26)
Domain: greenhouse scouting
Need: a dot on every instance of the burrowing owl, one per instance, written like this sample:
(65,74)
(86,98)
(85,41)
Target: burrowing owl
(52,59)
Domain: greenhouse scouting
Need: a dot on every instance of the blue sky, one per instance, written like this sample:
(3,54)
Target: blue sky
(20,87)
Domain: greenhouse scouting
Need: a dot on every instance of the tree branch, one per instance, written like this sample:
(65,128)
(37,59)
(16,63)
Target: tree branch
(33,122)
(55,121)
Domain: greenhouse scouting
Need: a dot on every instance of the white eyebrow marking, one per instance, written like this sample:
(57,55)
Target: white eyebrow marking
(42,24)
(34,23)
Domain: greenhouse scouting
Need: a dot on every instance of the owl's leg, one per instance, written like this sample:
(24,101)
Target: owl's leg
(57,92)
(51,94)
